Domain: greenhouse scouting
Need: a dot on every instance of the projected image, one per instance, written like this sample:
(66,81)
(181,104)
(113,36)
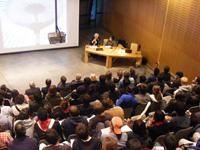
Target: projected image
(26,23)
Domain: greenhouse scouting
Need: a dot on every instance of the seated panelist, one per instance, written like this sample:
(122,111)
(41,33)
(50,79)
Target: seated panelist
(111,41)
(95,40)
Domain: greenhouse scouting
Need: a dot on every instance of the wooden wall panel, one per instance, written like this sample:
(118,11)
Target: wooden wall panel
(142,21)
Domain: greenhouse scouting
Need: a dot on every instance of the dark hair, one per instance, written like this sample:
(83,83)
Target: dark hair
(160,78)
(48,82)
(19,99)
(179,74)
(98,108)
(102,78)
(82,131)
(142,79)
(107,103)
(20,130)
(180,108)
(180,96)
(87,81)
(156,71)
(23,115)
(143,88)
(159,116)
(74,111)
(52,90)
(63,79)
(170,141)
(198,79)
(33,108)
(166,69)
(134,144)
(6,102)
(15,93)
(52,136)
(139,128)
(86,99)
(109,143)
(126,74)
(108,75)
(42,114)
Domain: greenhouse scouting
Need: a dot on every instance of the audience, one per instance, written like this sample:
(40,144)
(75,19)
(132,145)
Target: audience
(93,113)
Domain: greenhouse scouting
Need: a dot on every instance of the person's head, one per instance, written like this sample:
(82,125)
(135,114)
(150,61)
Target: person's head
(107,103)
(134,144)
(96,35)
(102,78)
(109,75)
(119,74)
(159,116)
(32,84)
(6,102)
(82,131)
(111,38)
(42,114)
(19,99)
(78,77)
(142,79)
(143,88)
(93,77)
(74,111)
(132,70)
(48,82)
(180,96)
(139,128)
(160,78)
(109,143)
(184,81)
(97,107)
(170,141)
(86,99)
(20,130)
(166,69)
(180,108)
(156,71)
(15,93)
(130,89)
(52,90)
(116,124)
(112,86)
(33,108)
(87,81)
(81,90)
(179,74)
(126,74)
(63,79)
(52,137)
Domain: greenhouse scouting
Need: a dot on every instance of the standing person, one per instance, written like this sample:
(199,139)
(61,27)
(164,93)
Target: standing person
(46,88)
(95,40)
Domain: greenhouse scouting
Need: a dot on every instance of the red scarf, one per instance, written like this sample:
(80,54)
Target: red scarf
(44,125)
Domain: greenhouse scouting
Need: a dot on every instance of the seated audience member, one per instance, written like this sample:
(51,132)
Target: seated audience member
(113,93)
(166,74)
(44,123)
(77,82)
(84,141)
(111,41)
(109,78)
(181,120)
(140,131)
(126,80)
(52,139)
(133,73)
(175,83)
(142,97)
(134,144)
(158,125)
(63,87)
(154,76)
(53,97)
(22,141)
(128,99)
(86,108)
(28,122)
(157,99)
(93,78)
(5,92)
(5,112)
(103,87)
(109,143)
(118,78)
(5,137)
(19,105)
(71,122)
(45,89)
(33,91)
(185,87)
(95,40)
(93,91)
(116,133)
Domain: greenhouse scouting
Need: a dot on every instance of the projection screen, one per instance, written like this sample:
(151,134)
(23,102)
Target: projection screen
(25,24)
